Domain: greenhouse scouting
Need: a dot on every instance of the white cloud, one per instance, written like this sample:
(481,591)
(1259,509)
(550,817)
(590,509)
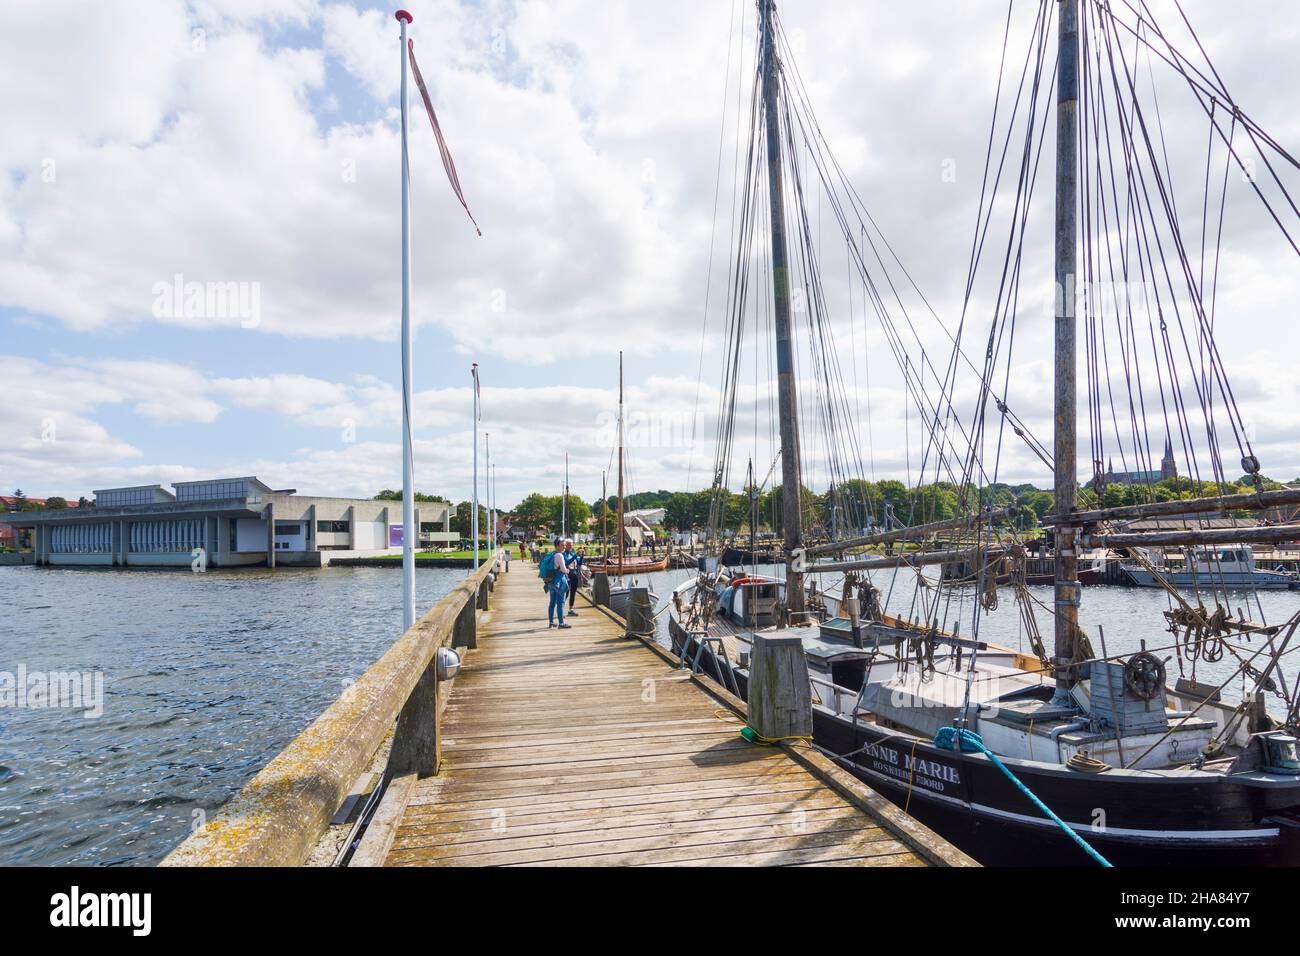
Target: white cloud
(219,12)
(293,395)
(362,40)
(586,137)
(219,172)
(104,72)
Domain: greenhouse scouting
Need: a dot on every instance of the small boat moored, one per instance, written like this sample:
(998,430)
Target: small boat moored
(1232,567)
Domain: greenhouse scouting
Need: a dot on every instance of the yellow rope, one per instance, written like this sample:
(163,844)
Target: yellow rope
(912,775)
(769,741)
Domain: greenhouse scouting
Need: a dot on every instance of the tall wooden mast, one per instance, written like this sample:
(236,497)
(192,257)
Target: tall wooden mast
(787,399)
(1067,558)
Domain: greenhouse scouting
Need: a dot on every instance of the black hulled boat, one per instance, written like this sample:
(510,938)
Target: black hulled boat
(1146,770)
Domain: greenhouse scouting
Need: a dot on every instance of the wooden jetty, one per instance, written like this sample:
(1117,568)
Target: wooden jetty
(580,746)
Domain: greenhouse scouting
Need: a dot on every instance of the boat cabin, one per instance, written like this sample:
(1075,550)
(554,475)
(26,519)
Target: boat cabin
(751,601)
(1015,712)
(1211,561)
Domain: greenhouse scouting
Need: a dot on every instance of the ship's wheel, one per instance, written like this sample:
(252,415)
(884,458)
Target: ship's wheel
(1144,675)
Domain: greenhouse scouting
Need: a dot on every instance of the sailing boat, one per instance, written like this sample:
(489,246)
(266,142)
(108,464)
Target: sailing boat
(1143,771)
(622,568)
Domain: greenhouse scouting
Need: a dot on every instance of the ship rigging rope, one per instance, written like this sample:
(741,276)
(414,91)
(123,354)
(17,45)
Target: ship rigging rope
(936,404)
(1130,230)
(1229,726)
(1214,89)
(952,738)
(1150,229)
(829,171)
(1209,98)
(717,187)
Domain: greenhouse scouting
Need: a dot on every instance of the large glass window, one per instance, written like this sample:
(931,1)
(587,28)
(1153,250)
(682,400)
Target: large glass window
(212,491)
(124,496)
(81,539)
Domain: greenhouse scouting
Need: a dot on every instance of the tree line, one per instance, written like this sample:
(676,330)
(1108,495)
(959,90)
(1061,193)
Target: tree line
(852,505)
(53,503)
(859,503)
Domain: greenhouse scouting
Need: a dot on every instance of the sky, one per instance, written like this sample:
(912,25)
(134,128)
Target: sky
(251,147)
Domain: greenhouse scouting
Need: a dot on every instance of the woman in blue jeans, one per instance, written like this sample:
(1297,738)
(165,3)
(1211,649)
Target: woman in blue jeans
(558,586)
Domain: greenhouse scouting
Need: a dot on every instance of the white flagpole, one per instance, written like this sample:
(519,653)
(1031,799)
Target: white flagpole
(564,502)
(409,531)
(487,478)
(474,503)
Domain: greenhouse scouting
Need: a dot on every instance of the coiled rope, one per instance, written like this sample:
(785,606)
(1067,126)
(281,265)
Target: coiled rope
(754,737)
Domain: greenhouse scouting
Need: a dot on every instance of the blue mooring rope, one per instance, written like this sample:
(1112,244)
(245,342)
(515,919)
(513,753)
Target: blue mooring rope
(972,743)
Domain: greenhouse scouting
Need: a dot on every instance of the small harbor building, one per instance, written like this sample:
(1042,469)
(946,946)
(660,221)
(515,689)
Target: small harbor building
(225,522)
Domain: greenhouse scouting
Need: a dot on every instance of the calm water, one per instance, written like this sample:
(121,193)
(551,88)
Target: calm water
(1127,616)
(206,677)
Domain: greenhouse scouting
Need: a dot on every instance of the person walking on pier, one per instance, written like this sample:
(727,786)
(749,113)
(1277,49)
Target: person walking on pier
(555,572)
(573,560)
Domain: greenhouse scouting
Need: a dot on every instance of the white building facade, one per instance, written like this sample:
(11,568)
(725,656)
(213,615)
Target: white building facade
(228,522)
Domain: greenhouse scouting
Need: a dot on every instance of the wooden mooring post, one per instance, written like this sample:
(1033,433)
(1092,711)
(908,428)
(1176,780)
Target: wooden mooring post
(640,614)
(780,699)
(600,589)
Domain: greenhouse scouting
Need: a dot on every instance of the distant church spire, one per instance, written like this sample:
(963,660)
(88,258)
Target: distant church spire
(1168,467)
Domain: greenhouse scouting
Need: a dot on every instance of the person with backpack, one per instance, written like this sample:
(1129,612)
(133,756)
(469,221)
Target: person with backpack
(554,573)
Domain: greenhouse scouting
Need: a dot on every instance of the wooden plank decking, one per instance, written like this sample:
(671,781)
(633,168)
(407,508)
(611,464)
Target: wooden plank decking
(583,747)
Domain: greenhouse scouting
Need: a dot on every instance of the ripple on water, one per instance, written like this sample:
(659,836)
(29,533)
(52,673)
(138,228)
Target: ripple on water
(206,678)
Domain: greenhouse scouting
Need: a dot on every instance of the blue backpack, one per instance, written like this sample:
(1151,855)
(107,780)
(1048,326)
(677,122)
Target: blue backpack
(546,570)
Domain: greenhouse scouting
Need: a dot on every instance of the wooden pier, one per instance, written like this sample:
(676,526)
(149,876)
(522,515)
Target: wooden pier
(587,747)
